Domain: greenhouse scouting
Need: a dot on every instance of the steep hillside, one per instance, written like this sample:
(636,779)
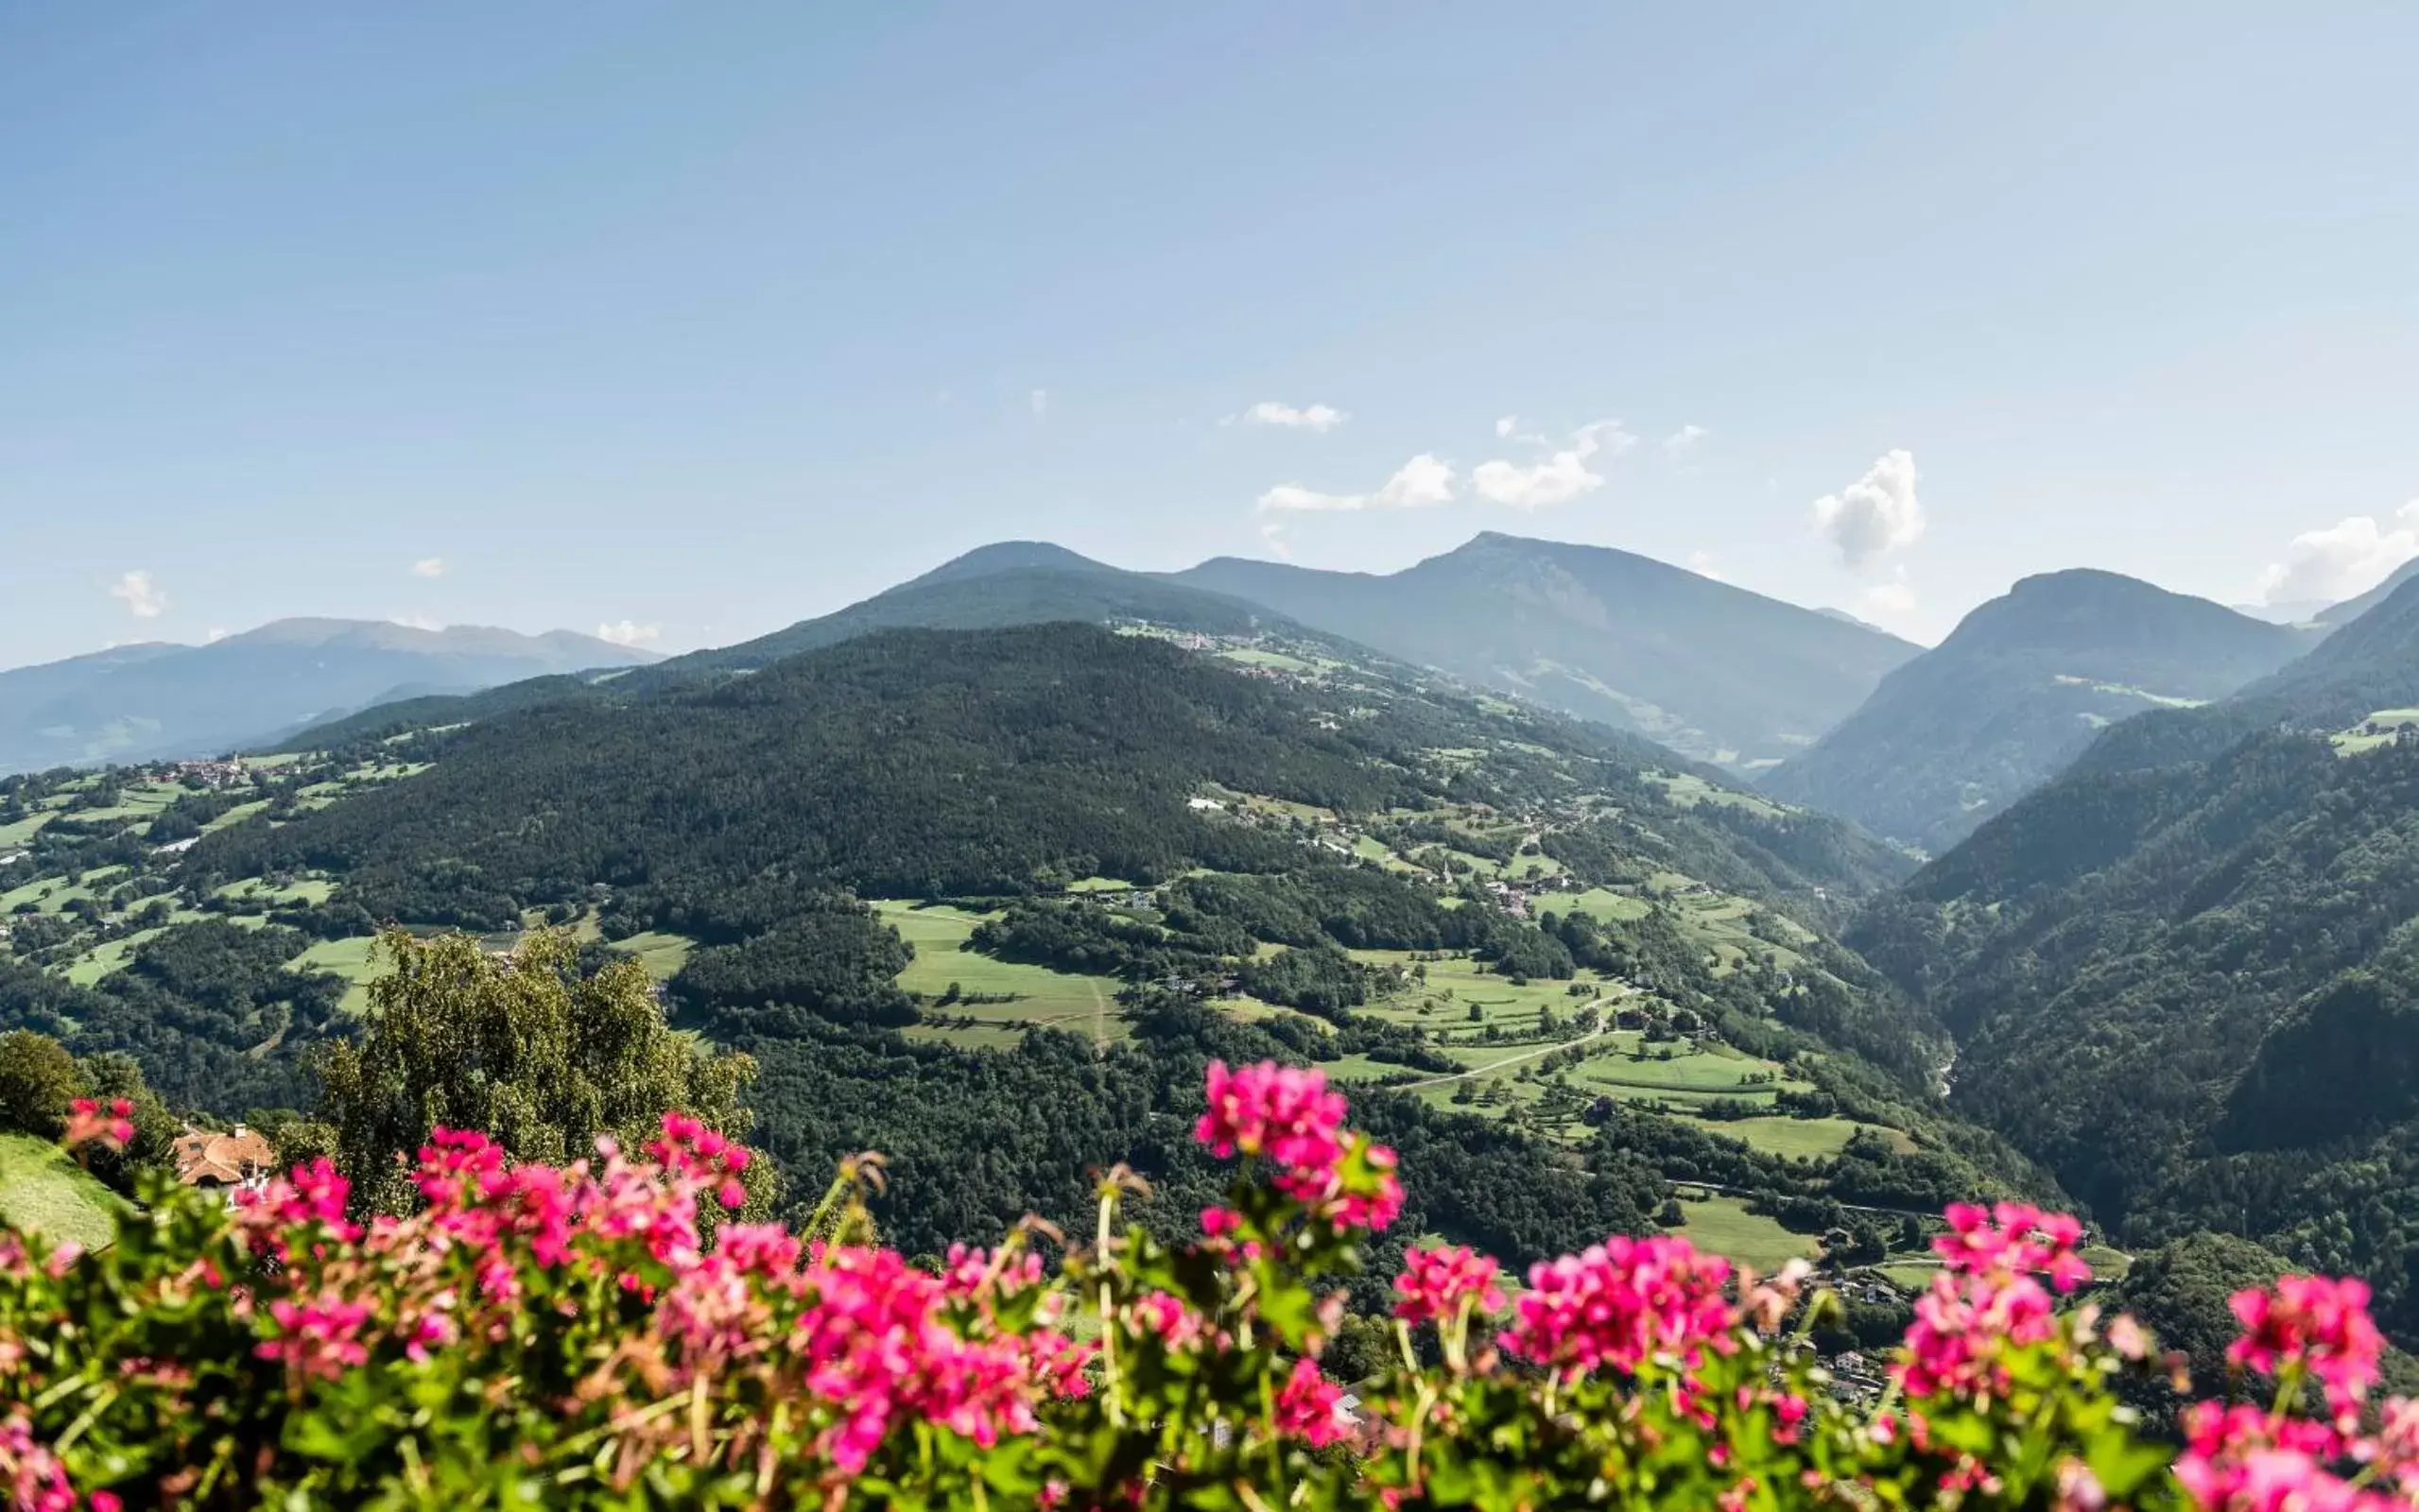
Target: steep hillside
(2017,691)
(1711,670)
(146,702)
(2370,664)
(2184,980)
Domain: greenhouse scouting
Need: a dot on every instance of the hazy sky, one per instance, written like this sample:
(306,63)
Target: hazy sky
(695,321)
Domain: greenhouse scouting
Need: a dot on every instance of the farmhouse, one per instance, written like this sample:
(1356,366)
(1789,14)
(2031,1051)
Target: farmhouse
(240,1159)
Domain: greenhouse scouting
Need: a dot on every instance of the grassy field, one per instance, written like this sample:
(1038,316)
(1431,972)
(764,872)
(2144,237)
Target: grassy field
(19,831)
(112,956)
(49,896)
(1277,660)
(1599,903)
(1455,985)
(309,892)
(663,955)
(235,816)
(1725,1227)
(1686,790)
(1809,1138)
(1086,1005)
(144,801)
(44,1191)
(2388,723)
(352,959)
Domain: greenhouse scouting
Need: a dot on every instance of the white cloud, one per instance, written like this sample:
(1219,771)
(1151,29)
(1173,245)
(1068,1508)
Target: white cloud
(1420,483)
(416,622)
(1319,418)
(1273,533)
(1702,564)
(1559,478)
(143,598)
(628,632)
(2344,562)
(428,567)
(1038,401)
(215,634)
(1683,440)
(1892,604)
(1895,597)
(1875,515)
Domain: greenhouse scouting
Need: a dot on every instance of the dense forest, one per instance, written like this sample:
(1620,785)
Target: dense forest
(2189,989)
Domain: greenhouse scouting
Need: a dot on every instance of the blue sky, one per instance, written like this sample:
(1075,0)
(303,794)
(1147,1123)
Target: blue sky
(700,321)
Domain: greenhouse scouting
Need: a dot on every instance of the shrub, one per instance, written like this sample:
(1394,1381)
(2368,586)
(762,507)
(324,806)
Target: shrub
(562,1335)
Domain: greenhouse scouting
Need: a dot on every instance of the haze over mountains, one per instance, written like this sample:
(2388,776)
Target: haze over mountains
(1825,711)
(1713,671)
(142,702)
(2017,691)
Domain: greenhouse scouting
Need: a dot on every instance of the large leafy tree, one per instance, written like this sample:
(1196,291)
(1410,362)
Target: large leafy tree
(38,1079)
(523,1048)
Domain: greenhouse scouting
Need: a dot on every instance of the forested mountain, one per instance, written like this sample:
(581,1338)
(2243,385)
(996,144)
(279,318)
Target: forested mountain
(1711,670)
(2017,691)
(1200,845)
(1012,583)
(1017,582)
(139,703)
(2370,664)
(927,765)
(2190,982)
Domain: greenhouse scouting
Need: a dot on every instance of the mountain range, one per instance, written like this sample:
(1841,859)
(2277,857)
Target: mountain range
(2181,974)
(149,701)
(2019,690)
(1824,710)
(1714,671)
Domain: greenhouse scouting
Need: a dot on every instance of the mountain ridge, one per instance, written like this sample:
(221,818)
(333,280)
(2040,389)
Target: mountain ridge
(163,699)
(1716,671)
(2017,691)
(2179,973)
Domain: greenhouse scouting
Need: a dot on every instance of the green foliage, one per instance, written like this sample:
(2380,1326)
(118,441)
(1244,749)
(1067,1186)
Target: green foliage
(523,1049)
(2185,988)
(576,1343)
(209,1010)
(38,1079)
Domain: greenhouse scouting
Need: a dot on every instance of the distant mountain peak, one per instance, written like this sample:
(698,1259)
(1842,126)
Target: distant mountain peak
(1010,556)
(141,703)
(2015,694)
(1716,671)
(1831,613)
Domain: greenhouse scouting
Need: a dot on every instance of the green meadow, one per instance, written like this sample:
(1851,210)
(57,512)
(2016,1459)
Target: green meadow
(1037,996)
(43,1190)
